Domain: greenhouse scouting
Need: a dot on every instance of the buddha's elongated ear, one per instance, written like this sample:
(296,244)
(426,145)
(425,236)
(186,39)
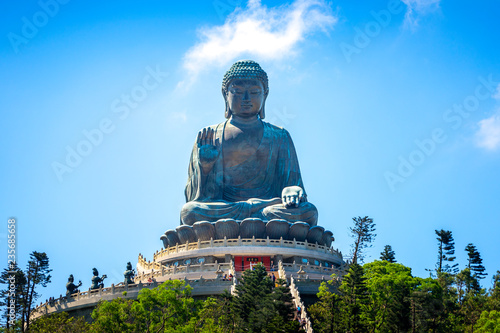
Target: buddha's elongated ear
(227,113)
(262,113)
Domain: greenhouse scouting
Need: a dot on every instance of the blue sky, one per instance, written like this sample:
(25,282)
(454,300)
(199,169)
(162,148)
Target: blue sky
(393,106)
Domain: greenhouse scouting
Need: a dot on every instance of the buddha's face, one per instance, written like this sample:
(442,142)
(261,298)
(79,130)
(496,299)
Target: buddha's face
(245,97)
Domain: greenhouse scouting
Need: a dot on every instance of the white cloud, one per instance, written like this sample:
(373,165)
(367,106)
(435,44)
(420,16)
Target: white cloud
(417,8)
(488,135)
(259,32)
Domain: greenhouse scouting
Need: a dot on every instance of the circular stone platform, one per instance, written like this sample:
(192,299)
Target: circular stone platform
(215,258)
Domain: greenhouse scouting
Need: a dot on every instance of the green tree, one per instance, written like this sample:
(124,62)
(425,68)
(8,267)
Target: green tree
(37,274)
(474,261)
(471,299)
(283,300)
(115,316)
(168,305)
(12,275)
(363,234)
(388,254)
(216,316)
(327,314)
(166,308)
(426,306)
(355,295)
(470,310)
(466,282)
(494,293)
(489,322)
(59,323)
(261,308)
(446,251)
(389,286)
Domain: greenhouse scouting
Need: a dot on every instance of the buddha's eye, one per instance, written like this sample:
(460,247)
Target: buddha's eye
(236,92)
(256,92)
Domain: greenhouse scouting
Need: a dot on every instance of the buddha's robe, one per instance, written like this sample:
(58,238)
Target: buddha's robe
(241,191)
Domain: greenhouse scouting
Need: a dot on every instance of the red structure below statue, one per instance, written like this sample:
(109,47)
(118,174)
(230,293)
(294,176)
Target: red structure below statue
(242,263)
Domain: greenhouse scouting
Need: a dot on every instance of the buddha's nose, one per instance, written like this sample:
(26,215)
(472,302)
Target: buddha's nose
(246,95)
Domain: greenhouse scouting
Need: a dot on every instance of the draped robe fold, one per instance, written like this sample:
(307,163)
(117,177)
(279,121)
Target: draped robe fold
(235,192)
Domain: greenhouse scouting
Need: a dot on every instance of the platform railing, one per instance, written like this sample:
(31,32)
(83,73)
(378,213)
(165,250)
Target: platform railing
(179,248)
(147,271)
(281,270)
(93,296)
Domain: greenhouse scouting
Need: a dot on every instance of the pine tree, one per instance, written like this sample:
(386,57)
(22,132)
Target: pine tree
(466,282)
(260,307)
(363,233)
(427,306)
(12,275)
(355,295)
(474,261)
(446,250)
(327,314)
(388,254)
(37,274)
(494,293)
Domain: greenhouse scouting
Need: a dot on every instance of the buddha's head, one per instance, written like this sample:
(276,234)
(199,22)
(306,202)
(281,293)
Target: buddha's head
(245,89)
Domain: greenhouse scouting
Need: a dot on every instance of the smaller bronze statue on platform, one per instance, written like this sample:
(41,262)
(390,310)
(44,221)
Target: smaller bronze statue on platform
(129,274)
(97,282)
(72,288)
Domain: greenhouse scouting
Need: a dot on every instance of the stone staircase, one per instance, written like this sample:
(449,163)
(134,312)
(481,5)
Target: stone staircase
(296,298)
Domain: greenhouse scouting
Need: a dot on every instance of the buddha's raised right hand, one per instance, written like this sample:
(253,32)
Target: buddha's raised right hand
(208,149)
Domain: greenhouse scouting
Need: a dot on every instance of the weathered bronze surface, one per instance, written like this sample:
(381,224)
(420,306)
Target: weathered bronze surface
(244,176)
(97,282)
(245,167)
(129,274)
(72,288)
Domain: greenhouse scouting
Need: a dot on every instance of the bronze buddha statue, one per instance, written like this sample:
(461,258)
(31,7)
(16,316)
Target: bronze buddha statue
(245,167)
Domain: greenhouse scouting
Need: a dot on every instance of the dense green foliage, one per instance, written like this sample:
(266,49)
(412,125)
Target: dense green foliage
(258,306)
(25,293)
(380,296)
(384,297)
(59,323)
